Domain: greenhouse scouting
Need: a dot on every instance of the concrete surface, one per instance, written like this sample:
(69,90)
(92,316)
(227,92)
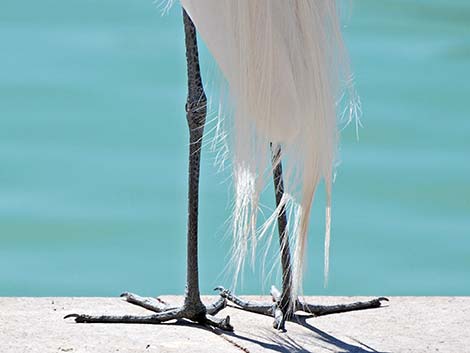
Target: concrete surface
(407,324)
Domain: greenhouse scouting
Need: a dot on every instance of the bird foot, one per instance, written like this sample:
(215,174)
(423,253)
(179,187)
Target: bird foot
(272,309)
(321,310)
(255,307)
(163,312)
(158,305)
(287,312)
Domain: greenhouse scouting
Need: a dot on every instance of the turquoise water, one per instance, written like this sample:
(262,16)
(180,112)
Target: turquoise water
(93,149)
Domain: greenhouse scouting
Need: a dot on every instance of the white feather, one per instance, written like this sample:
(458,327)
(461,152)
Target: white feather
(284,62)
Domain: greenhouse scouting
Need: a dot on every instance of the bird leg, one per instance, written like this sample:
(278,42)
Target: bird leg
(153,304)
(158,305)
(280,317)
(321,310)
(193,309)
(254,307)
(284,306)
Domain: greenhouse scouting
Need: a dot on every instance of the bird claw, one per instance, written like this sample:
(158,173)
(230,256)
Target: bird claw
(223,292)
(378,301)
(225,324)
(77,317)
(71,315)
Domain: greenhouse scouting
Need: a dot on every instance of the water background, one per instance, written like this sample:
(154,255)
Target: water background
(93,155)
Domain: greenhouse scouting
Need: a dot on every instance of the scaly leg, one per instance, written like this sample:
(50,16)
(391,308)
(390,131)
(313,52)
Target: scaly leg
(321,310)
(192,309)
(284,307)
(157,305)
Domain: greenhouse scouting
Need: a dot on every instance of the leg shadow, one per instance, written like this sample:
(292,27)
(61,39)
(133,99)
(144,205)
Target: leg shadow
(285,343)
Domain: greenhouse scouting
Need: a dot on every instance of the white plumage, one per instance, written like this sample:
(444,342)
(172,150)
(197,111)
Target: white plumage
(284,63)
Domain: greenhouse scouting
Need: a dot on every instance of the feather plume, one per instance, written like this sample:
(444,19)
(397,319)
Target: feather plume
(284,62)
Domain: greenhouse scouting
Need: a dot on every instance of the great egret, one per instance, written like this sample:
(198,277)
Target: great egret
(284,62)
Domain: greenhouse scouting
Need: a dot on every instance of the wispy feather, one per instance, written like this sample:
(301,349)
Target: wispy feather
(284,62)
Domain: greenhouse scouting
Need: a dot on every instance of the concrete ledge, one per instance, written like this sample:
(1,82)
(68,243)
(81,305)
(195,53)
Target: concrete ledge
(407,324)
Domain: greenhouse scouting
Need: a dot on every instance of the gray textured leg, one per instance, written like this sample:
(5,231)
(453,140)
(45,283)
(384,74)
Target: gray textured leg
(321,310)
(215,307)
(259,308)
(285,298)
(283,307)
(280,317)
(157,305)
(158,318)
(174,314)
(151,304)
(192,309)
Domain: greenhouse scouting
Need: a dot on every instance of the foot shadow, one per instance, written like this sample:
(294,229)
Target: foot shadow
(284,343)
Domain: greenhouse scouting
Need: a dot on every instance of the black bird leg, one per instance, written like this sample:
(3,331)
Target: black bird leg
(284,305)
(193,309)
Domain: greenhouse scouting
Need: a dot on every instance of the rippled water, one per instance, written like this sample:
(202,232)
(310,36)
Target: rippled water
(93,145)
